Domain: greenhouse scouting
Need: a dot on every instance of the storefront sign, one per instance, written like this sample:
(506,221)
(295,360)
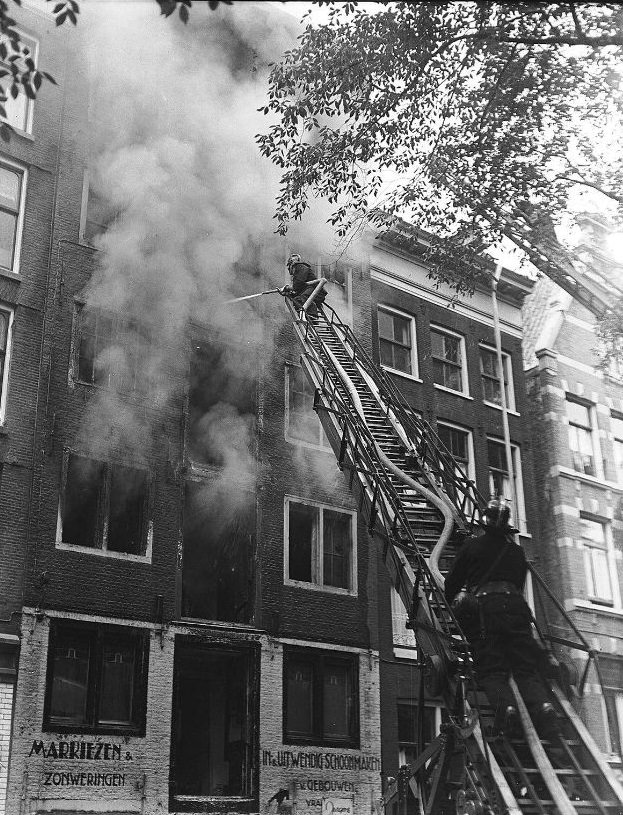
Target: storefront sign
(80,750)
(320,761)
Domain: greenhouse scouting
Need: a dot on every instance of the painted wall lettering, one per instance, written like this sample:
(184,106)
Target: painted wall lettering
(320,761)
(80,750)
(84,780)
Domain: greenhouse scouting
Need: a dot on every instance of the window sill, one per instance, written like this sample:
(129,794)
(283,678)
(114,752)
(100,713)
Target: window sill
(89,730)
(11,275)
(300,584)
(89,550)
(450,390)
(4,430)
(493,405)
(23,134)
(403,374)
(569,472)
(404,652)
(598,608)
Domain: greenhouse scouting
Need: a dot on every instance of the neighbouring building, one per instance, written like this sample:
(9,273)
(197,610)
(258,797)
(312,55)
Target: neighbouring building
(576,406)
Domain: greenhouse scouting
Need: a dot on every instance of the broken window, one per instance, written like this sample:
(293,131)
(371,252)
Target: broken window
(97,678)
(98,215)
(320,546)
(213,739)
(217,576)
(321,697)
(104,506)
(221,404)
(112,352)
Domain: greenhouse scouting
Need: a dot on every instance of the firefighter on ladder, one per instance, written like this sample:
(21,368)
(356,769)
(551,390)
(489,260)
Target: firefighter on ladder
(499,630)
(303,278)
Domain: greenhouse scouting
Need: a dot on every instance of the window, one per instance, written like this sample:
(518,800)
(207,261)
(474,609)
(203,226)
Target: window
(104,506)
(397,341)
(11,213)
(112,352)
(491,380)
(321,698)
(221,405)
(320,546)
(448,352)
(581,437)
(97,678)
(596,562)
(6,322)
(403,637)
(213,740)
(97,215)
(217,573)
(19,109)
(459,443)
(499,479)
(616,424)
(407,712)
(302,422)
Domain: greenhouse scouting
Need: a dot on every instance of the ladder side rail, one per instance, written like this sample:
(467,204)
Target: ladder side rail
(589,743)
(427,444)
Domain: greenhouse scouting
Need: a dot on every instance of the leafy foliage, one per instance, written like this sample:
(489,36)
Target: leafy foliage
(449,115)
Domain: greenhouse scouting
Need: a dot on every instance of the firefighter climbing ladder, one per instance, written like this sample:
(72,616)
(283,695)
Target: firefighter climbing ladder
(418,503)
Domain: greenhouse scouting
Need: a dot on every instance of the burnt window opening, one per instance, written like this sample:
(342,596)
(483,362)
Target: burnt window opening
(321,698)
(98,214)
(302,422)
(213,740)
(217,574)
(104,506)
(112,352)
(96,679)
(221,404)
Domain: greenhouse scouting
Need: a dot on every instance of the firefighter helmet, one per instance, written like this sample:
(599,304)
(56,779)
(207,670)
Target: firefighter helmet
(497,513)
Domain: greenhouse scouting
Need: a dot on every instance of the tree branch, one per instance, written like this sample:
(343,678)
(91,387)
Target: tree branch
(608,193)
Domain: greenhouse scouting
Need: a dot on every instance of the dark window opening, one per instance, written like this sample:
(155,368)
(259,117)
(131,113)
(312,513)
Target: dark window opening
(221,404)
(100,216)
(105,506)
(97,678)
(212,741)
(321,698)
(320,546)
(113,352)
(217,575)
(302,520)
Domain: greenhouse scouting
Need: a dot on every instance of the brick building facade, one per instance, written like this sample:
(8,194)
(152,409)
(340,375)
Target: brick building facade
(201,619)
(577,421)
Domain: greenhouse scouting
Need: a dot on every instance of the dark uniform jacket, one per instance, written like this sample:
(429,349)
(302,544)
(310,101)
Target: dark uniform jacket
(475,558)
(302,273)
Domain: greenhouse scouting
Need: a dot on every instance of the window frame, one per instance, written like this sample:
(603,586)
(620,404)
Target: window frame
(14,167)
(403,638)
(99,635)
(323,444)
(413,354)
(403,743)
(103,510)
(434,328)
(26,38)
(6,361)
(518,507)
(317,659)
(588,546)
(507,365)
(470,470)
(617,444)
(590,429)
(317,548)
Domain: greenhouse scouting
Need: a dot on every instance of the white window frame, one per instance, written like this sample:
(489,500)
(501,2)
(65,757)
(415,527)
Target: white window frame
(28,117)
(323,443)
(436,708)
(317,551)
(19,225)
(617,445)
(471,461)
(413,336)
(587,544)
(102,551)
(517,502)
(440,329)
(4,382)
(507,365)
(593,435)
